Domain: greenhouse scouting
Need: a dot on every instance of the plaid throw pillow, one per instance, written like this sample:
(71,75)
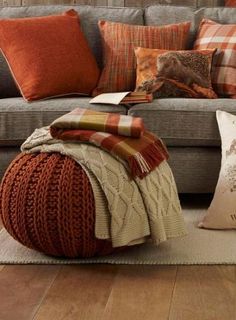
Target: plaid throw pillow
(119,41)
(213,35)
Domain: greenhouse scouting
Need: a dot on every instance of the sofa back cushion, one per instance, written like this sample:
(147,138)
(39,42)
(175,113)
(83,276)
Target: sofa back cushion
(8,87)
(160,15)
(89,17)
(221,15)
(163,15)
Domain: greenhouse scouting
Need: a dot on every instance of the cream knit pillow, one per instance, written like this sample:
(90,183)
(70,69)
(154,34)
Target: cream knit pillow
(222,212)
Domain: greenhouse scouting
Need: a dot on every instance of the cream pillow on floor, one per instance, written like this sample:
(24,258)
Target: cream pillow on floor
(222,212)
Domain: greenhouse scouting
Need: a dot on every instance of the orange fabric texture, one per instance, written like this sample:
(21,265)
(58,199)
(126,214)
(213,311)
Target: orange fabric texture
(213,35)
(53,208)
(49,56)
(119,41)
(167,73)
(230,3)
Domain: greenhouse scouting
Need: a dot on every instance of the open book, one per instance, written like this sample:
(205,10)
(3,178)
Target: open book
(123,98)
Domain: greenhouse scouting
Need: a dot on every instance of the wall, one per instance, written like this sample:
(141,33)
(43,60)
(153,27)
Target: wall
(120,3)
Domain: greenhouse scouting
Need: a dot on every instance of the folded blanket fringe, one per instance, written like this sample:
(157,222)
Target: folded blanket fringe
(141,163)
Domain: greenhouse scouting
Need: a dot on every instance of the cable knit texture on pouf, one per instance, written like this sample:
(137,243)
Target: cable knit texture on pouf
(47,204)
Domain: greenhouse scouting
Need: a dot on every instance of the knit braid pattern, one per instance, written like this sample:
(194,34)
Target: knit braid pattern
(47,204)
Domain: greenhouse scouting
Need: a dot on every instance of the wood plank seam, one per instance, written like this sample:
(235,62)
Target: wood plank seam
(46,292)
(111,291)
(173,290)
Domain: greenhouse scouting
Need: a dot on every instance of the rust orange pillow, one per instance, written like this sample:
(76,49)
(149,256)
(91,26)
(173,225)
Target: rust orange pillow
(119,41)
(230,3)
(48,56)
(223,37)
(175,73)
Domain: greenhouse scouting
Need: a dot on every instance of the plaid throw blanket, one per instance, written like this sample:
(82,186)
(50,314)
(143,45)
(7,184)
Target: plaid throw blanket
(122,136)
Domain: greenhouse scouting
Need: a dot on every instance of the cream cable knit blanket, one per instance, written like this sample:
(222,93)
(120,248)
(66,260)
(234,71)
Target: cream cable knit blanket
(127,211)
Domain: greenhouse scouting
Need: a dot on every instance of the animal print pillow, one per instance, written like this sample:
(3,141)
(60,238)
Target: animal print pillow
(175,73)
(222,211)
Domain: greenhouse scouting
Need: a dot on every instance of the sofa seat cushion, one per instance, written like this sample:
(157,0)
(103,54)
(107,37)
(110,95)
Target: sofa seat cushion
(18,119)
(184,122)
(195,169)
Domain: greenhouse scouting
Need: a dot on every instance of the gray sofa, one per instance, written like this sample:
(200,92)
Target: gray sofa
(188,126)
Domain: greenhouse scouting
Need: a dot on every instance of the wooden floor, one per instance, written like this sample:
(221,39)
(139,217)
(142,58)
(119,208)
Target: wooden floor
(117,292)
(109,292)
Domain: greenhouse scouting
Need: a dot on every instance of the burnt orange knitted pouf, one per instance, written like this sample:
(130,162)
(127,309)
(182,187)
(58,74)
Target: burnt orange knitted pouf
(47,204)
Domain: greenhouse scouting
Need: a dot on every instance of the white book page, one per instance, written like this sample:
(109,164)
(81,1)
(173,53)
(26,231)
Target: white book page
(110,98)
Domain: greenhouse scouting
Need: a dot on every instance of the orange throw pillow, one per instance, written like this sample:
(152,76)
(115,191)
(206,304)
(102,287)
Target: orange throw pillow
(119,41)
(48,56)
(230,3)
(213,35)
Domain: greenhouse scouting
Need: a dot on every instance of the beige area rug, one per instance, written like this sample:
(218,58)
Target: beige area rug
(199,247)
